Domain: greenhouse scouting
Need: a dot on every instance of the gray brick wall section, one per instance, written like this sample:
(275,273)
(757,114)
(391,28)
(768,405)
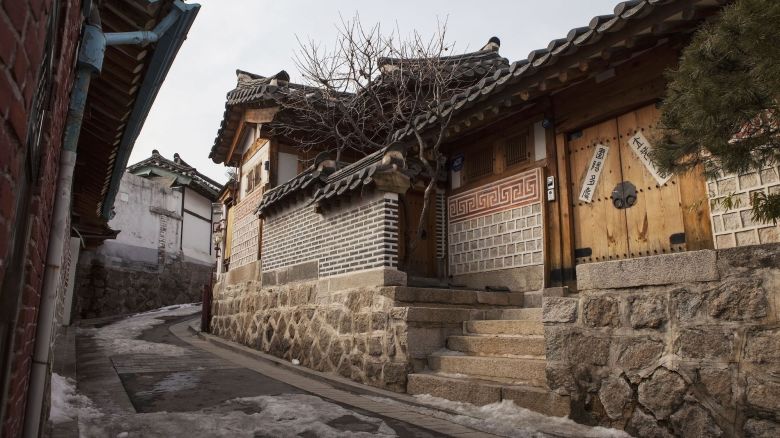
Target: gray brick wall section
(358,236)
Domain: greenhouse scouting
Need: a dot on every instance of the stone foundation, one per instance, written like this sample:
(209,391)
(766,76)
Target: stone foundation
(374,335)
(103,288)
(674,345)
(356,333)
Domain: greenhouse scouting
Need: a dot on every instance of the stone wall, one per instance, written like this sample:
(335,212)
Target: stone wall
(496,229)
(358,236)
(684,344)
(106,288)
(735,226)
(357,333)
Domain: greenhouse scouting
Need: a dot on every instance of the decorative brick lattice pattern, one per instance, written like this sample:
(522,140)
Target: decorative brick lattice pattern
(509,239)
(246,229)
(736,226)
(506,194)
(358,237)
(496,226)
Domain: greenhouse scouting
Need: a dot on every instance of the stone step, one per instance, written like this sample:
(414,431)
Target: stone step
(533,299)
(498,345)
(481,392)
(504,327)
(418,295)
(442,314)
(528,371)
(528,314)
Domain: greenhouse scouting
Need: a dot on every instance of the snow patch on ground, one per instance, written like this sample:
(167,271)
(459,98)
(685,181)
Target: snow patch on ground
(66,403)
(506,419)
(174,382)
(286,415)
(121,337)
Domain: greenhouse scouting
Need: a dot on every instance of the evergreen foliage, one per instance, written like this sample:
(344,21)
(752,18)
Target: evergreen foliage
(722,106)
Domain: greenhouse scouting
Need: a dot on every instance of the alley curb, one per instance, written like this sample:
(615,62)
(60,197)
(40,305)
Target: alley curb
(329,387)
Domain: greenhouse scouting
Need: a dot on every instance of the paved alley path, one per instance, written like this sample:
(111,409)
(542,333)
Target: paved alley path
(156,385)
(149,376)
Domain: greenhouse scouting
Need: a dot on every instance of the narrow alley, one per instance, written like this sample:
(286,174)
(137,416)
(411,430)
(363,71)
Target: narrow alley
(150,375)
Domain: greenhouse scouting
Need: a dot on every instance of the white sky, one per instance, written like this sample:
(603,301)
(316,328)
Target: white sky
(260,36)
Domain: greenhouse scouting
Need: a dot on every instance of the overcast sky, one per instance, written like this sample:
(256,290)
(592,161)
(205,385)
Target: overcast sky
(260,36)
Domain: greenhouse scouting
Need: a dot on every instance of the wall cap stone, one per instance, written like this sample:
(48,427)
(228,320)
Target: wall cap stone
(368,278)
(684,267)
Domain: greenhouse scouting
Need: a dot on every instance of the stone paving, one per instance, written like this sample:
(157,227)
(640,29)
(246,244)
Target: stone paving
(195,394)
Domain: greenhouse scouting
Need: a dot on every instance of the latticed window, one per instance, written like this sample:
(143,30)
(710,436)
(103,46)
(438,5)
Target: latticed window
(478,163)
(516,149)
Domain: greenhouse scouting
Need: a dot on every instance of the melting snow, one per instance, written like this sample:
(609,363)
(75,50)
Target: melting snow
(66,403)
(120,337)
(507,419)
(287,415)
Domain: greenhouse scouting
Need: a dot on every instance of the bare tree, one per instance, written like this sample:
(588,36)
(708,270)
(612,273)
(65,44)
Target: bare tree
(371,90)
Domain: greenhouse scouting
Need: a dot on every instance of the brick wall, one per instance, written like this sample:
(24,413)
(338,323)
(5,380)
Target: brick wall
(245,231)
(735,226)
(497,226)
(359,236)
(23,32)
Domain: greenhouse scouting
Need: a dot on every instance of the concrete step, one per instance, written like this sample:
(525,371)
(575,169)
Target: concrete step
(529,314)
(528,371)
(504,327)
(532,345)
(481,392)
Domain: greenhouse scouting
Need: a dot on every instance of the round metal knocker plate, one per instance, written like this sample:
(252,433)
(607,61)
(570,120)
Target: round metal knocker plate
(624,195)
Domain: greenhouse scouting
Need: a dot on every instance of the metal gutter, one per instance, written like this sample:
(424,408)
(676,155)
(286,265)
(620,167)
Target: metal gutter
(164,54)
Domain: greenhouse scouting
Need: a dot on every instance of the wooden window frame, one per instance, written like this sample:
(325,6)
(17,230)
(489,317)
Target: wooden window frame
(501,170)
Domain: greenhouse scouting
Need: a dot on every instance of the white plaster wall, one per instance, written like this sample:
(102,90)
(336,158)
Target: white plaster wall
(196,234)
(134,218)
(258,158)
(197,203)
(288,167)
(149,217)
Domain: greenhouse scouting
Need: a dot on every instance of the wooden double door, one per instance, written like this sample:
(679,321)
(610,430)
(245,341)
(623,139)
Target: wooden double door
(630,213)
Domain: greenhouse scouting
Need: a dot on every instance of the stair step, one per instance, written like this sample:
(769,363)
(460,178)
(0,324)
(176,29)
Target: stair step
(529,371)
(527,314)
(532,345)
(405,294)
(481,392)
(505,327)
(442,314)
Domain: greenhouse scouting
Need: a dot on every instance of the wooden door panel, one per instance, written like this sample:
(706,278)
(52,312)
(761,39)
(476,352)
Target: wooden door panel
(599,228)
(657,214)
(421,261)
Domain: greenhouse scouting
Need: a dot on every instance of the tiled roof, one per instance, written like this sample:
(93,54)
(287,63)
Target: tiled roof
(578,39)
(471,65)
(575,40)
(198,181)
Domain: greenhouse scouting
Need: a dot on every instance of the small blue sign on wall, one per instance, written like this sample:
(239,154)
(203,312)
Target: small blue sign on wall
(456,164)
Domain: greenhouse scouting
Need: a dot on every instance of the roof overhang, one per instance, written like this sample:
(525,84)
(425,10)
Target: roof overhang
(118,103)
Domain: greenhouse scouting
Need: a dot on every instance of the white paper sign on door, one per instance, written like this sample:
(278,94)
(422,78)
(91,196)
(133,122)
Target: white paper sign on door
(642,148)
(594,173)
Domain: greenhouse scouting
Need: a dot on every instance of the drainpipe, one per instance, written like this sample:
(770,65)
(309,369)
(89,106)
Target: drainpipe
(90,62)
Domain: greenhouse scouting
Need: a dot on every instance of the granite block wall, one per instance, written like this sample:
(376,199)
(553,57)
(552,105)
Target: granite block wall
(357,333)
(681,345)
